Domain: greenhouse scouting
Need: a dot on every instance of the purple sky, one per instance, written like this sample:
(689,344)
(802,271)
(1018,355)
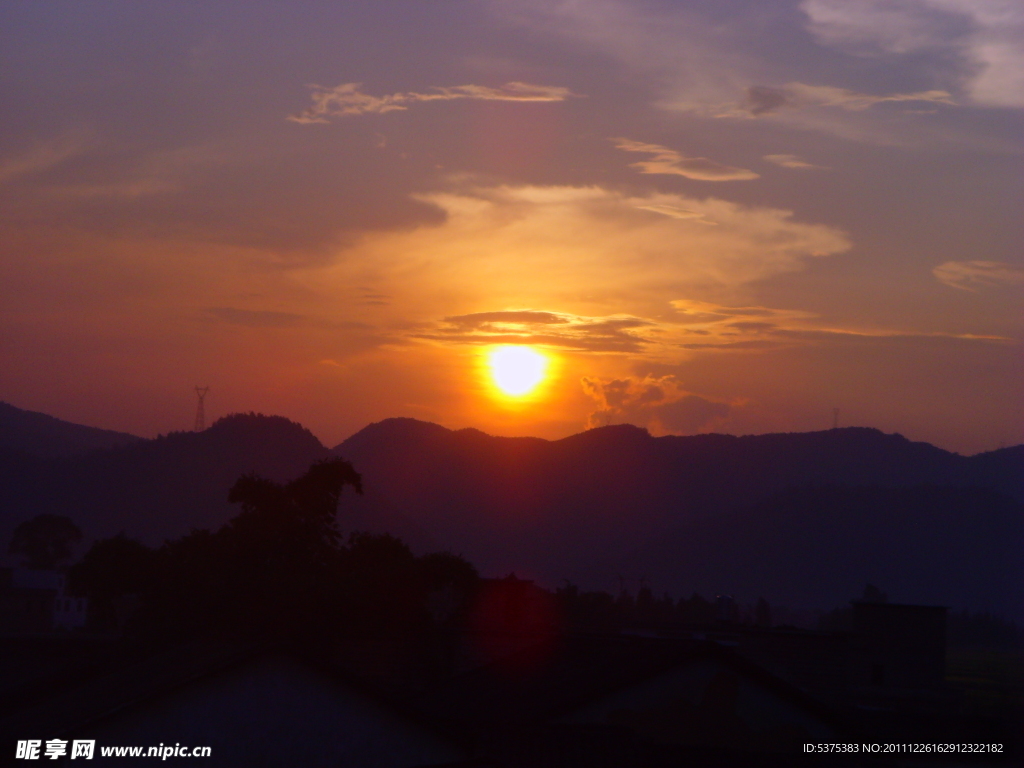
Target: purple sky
(727,217)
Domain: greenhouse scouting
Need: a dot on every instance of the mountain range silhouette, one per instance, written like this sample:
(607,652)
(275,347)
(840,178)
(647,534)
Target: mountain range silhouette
(805,519)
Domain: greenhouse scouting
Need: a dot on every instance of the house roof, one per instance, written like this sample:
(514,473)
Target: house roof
(542,683)
(81,705)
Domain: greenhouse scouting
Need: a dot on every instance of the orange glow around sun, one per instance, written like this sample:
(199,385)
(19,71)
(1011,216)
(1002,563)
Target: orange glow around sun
(516,370)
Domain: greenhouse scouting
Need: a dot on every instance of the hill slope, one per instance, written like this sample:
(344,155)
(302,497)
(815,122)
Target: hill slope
(40,435)
(797,516)
(804,519)
(156,489)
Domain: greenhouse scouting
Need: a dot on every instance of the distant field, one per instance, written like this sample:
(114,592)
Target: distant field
(992,680)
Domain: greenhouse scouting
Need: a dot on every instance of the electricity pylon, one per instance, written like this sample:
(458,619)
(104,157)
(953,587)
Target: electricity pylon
(200,412)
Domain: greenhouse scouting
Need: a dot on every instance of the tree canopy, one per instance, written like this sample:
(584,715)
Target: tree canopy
(280,565)
(45,541)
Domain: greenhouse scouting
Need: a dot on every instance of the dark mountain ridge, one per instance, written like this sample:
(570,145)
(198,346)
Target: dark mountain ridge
(804,518)
(40,435)
(674,478)
(709,512)
(156,489)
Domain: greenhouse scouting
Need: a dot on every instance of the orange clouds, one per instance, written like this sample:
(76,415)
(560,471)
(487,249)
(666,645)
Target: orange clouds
(587,250)
(669,161)
(660,403)
(592,334)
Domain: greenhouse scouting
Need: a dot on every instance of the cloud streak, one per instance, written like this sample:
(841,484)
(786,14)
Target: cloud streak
(696,326)
(792,161)
(41,157)
(347,99)
(694,64)
(669,161)
(986,35)
(764,100)
(801,94)
(725,328)
(551,329)
(977,275)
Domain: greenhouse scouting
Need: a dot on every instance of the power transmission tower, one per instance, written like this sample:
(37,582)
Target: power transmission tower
(200,411)
(835,418)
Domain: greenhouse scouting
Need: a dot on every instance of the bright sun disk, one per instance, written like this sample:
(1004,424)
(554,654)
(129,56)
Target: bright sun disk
(516,370)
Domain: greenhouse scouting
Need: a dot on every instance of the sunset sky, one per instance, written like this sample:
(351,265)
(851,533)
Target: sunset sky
(730,217)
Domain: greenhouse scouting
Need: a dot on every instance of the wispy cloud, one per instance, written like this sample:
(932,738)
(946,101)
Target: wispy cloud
(987,36)
(524,317)
(552,329)
(347,99)
(744,328)
(675,212)
(830,335)
(155,173)
(707,311)
(764,99)
(669,161)
(976,275)
(691,63)
(849,114)
(585,250)
(42,156)
(830,96)
(725,328)
(695,327)
(792,161)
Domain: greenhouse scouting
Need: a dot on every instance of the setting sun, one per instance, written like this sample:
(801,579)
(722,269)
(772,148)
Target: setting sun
(516,370)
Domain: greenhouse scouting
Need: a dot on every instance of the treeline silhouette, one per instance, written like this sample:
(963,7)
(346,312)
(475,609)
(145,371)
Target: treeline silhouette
(283,566)
(599,610)
(280,567)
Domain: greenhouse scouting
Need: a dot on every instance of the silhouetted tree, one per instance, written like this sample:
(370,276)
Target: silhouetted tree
(590,610)
(837,620)
(451,583)
(664,609)
(440,570)
(303,511)
(762,613)
(382,589)
(644,609)
(45,541)
(114,566)
(112,569)
(696,610)
(873,594)
(275,566)
(280,566)
(625,606)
